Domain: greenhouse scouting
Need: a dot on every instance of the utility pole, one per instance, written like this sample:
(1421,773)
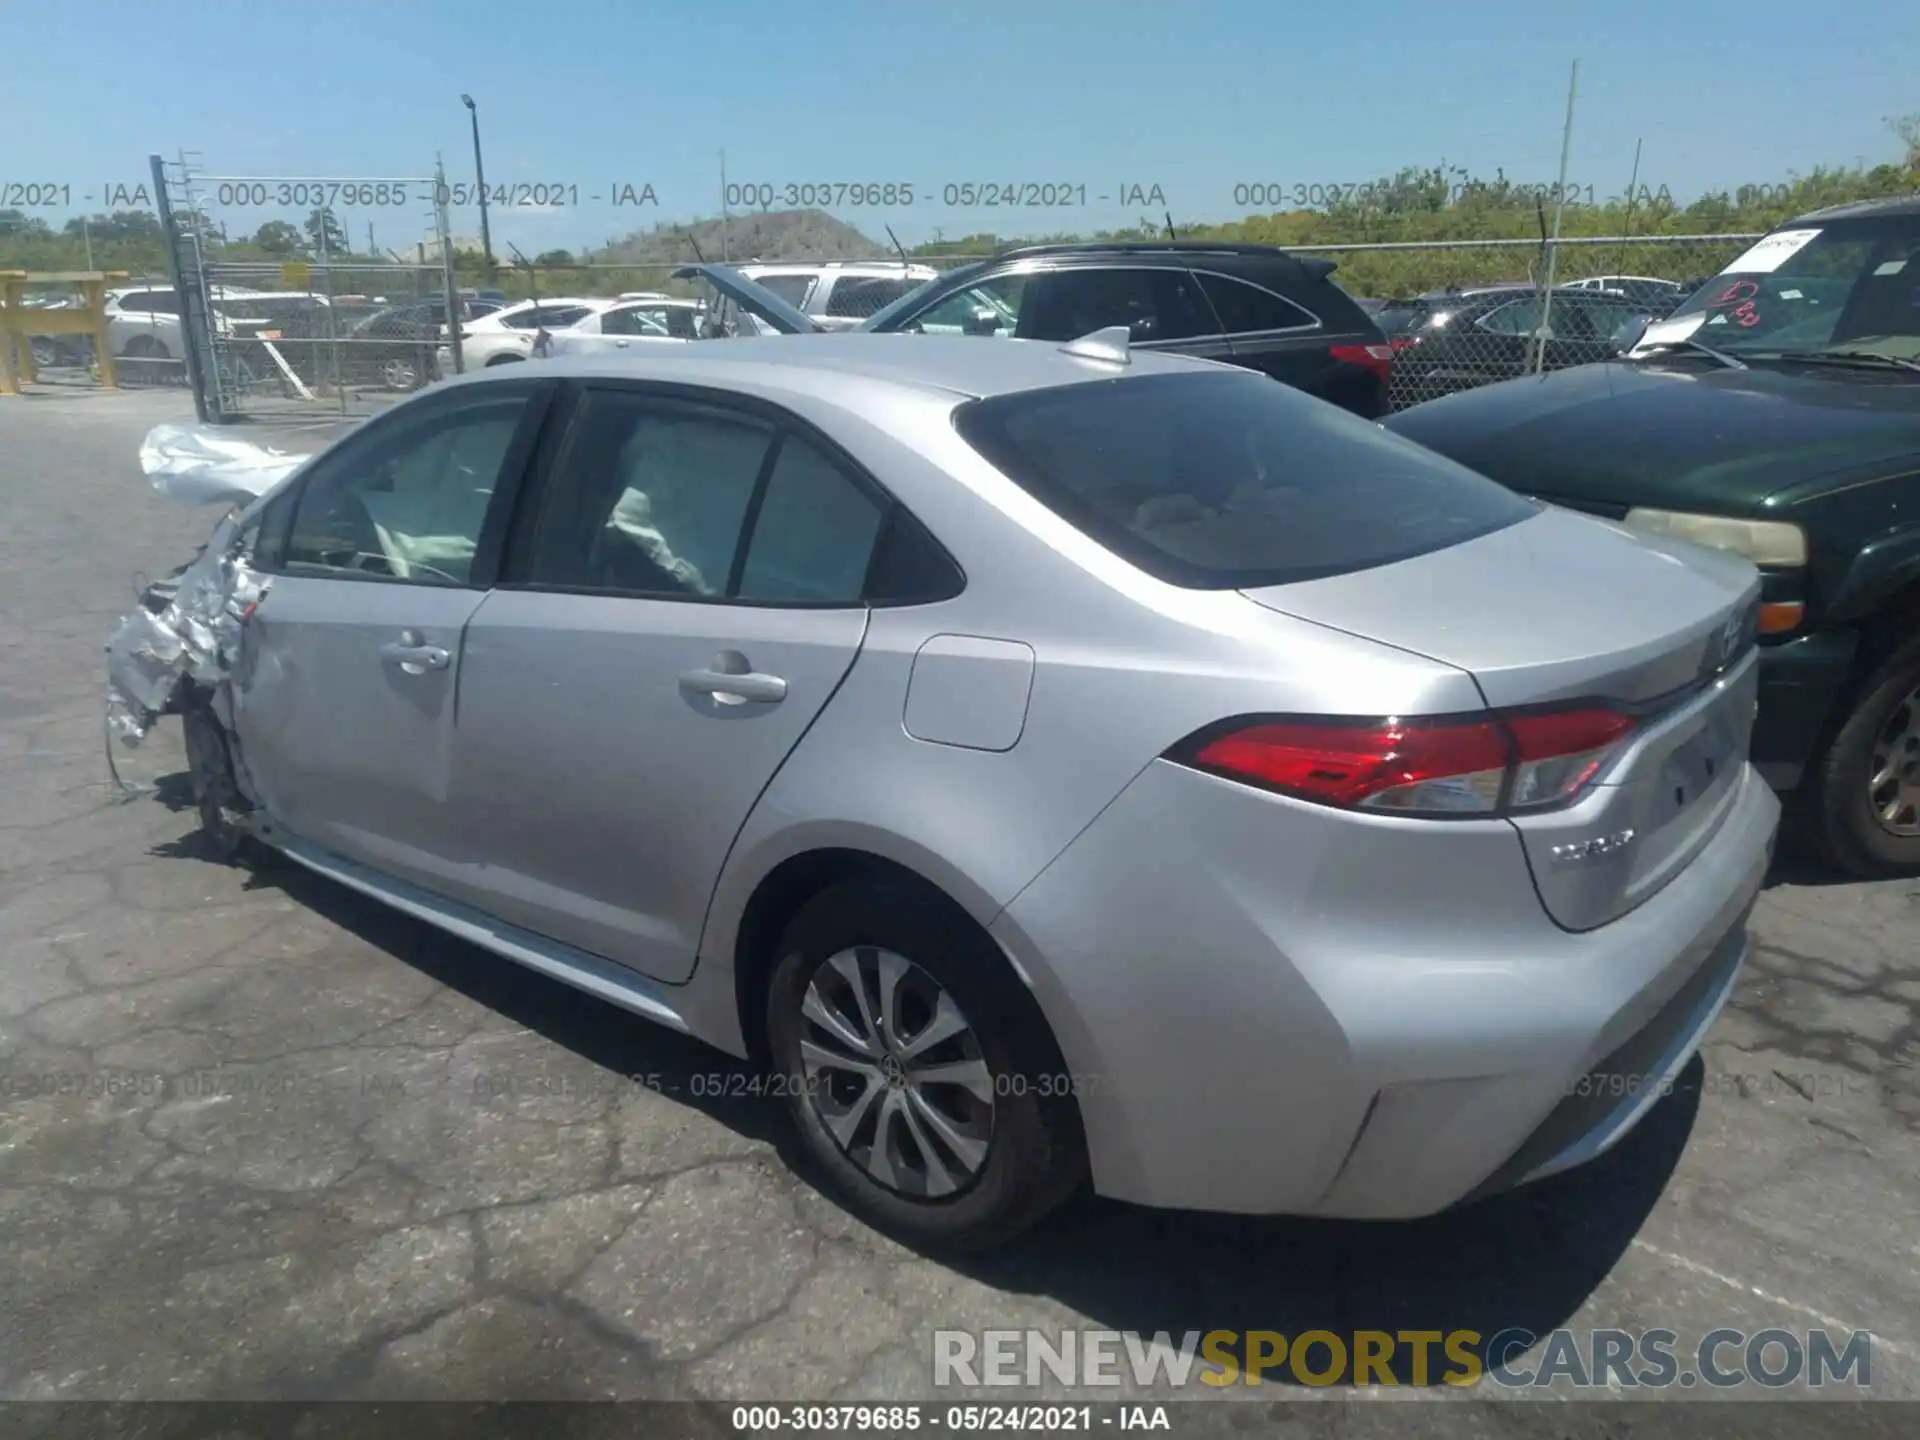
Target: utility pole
(1559,212)
(480,183)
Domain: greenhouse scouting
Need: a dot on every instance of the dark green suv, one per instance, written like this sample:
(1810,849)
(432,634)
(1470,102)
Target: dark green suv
(1775,413)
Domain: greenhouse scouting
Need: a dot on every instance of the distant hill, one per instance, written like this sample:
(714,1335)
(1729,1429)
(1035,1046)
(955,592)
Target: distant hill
(768,234)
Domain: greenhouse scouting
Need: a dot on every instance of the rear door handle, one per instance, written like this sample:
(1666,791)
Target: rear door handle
(734,689)
(413,657)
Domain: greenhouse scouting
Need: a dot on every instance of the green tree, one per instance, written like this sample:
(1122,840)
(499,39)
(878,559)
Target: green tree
(277,237)
(554,257)
(325,234)
(18,225)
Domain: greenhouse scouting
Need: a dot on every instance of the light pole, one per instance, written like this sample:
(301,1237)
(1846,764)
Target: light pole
(480,182)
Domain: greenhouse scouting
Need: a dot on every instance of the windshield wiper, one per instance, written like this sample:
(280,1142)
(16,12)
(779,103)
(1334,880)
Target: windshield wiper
(1691,344)
(1867,359)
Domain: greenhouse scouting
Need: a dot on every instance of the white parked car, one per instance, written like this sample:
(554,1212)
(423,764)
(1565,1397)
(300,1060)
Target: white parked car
(143,321)
(838,294)
(648,320)
(509,334)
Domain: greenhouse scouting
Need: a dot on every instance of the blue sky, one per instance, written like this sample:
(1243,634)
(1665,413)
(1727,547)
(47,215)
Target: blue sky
(1195,98)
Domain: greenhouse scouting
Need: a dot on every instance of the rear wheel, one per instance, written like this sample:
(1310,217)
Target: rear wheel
(144,347)
(917,1069)
(1866,791)
(502,360)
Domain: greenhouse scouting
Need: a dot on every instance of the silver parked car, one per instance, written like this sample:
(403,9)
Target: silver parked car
(1052,762)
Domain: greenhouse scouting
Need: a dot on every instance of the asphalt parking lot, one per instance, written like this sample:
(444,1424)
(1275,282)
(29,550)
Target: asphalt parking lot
(261,1139)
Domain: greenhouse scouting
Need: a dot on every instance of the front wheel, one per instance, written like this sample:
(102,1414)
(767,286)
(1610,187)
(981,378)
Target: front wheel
(918,1071)
(1866,791)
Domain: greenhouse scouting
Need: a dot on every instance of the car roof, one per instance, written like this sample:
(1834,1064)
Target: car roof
(1861,209)
(860,269)
(1182,250)
(957,365)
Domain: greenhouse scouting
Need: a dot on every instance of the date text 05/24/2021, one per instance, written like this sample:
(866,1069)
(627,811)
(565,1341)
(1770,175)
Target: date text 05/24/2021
(953,194)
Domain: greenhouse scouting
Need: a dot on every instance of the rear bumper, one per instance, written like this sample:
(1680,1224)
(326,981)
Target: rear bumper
(1270,1007)
(1798,683)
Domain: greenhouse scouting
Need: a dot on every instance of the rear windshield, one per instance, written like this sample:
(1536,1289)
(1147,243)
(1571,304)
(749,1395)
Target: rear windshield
(1223,479)
(1401,317)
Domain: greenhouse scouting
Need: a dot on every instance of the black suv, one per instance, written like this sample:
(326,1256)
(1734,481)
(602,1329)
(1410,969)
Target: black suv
(1775,413)
(1255,306)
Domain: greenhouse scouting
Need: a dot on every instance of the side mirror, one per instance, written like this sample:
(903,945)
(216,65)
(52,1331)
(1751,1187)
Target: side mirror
(1630,334)
(981,322)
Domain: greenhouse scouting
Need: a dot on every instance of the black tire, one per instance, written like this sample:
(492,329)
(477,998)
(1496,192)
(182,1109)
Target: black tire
(502,360)
(1844,824)
(1035,1157)
(144,347)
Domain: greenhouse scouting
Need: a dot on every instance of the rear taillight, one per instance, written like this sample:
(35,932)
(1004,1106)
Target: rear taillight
(1487,765)
(1377,358)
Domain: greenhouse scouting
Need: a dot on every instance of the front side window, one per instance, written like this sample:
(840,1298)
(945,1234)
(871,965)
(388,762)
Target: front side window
(1222,480)
(408,504)
(991,307)
(1154,304)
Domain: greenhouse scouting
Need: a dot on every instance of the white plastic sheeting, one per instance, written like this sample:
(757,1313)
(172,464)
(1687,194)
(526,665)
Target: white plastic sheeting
(201,466)
(197,636)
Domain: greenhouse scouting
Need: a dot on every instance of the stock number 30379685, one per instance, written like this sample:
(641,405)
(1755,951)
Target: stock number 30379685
(895,1418)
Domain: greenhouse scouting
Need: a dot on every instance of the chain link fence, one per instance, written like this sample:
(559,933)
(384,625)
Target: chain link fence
(350,334)
(1465,313)
(350,338)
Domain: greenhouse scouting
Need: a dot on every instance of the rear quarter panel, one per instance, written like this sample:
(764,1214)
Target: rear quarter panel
(1124,667)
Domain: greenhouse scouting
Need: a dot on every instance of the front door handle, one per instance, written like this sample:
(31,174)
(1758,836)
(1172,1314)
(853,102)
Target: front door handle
(734,689)
(413,657)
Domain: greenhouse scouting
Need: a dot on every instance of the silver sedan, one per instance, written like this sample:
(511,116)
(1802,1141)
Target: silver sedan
(1054,764)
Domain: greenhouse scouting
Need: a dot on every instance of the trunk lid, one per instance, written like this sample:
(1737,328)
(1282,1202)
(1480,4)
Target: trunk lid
(752,297)
(1561,609)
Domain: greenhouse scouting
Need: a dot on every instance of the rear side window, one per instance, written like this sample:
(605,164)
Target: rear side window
(631,320)
(790,288)
(857,297)
(1396,319)
(814,533)
(1246,309)
(1217,481)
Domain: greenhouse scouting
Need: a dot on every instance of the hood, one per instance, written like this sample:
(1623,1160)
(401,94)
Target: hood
(200,466)
(1681,435)
(751,297)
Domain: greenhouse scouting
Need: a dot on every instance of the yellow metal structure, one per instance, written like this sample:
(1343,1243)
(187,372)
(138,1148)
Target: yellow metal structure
(20,321)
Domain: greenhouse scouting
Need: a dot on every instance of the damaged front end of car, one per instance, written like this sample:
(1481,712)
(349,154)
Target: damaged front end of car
(180,650)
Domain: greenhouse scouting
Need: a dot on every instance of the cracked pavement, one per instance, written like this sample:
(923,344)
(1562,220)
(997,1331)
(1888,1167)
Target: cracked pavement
(262,1139)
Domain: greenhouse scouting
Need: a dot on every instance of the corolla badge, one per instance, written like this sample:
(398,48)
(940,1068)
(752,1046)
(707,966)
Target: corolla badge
(1592,849)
